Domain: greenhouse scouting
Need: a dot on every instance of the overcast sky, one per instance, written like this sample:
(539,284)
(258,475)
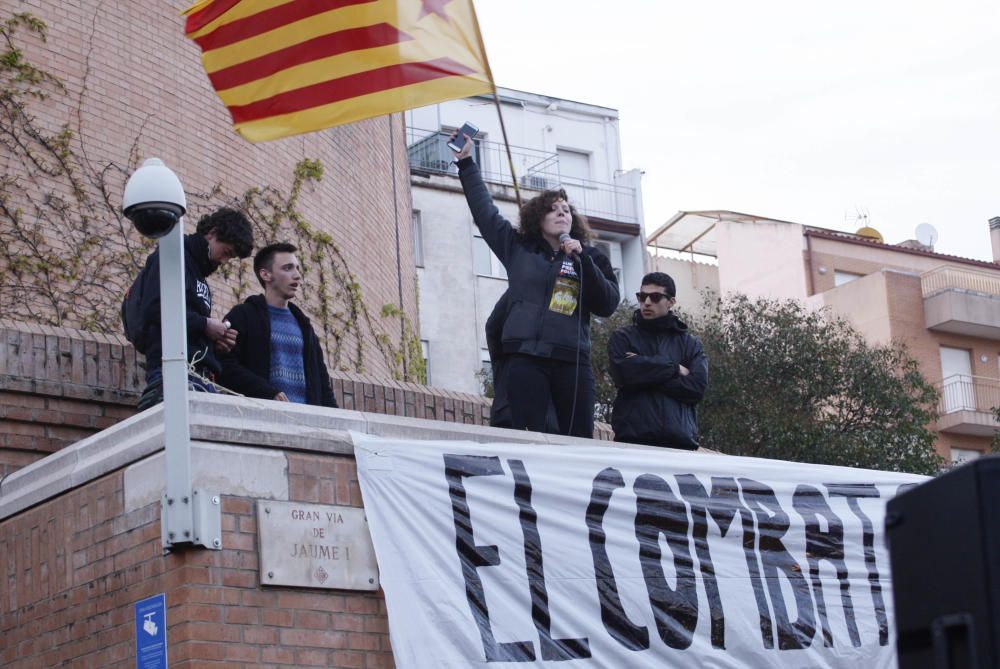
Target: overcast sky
(797,110)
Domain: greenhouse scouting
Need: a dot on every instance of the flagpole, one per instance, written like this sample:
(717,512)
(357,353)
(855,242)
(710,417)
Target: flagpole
(510,158)
(399,260)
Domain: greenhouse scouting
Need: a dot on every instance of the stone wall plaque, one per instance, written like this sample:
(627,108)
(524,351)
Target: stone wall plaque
(315,546)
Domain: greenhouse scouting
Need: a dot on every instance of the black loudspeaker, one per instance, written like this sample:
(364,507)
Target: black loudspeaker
(944,548)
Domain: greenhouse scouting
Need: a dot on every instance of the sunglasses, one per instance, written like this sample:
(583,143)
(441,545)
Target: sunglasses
(655,297)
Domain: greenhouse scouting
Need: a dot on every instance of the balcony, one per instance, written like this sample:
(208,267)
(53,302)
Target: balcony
(966,405)
(962,301)
(536,171)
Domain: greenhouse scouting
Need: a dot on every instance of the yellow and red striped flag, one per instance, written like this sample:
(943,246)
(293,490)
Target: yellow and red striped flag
(285,67)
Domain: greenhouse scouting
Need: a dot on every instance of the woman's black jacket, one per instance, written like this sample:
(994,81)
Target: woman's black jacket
(532,269)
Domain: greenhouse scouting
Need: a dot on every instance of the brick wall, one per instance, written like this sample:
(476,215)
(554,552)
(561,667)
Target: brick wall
(71,570)
(906,318)
(59,385)
(135,88)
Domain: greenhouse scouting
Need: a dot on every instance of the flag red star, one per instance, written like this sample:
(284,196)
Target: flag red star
(433,7)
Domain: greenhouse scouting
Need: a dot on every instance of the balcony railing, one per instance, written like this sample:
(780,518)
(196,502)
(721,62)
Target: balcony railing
(536,170)
(956,278)
(962,392)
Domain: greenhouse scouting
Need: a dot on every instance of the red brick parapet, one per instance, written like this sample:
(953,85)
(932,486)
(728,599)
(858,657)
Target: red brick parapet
(60,385)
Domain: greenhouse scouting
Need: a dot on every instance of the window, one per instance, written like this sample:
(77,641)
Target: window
(418,239)
(962,455)
(840,278)
(431,153)
(613,251)
(573,165)
(957,393)
(425,351)
(484,263)
(604,248)
(485,374)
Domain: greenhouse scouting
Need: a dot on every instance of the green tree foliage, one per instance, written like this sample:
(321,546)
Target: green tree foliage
(793,384)
(600,333)
(77,278)
(995,444)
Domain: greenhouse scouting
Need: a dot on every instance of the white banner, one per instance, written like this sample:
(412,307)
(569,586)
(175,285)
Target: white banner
(567,556)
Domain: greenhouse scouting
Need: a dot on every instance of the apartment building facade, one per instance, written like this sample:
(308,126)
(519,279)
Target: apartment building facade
(554,143)
(945,309)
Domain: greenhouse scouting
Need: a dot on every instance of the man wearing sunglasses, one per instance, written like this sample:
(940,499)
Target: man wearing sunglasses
(660,370)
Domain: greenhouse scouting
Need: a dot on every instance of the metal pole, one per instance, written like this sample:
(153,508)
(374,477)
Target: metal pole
(177,517)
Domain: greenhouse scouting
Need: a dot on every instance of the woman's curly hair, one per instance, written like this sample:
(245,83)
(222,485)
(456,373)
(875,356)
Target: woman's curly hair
(534,211)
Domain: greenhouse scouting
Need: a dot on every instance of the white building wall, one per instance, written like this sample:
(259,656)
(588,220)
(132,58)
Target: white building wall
(692,279)
(634,259)
(763,259)
(535,122)
(455,301)
(446,282)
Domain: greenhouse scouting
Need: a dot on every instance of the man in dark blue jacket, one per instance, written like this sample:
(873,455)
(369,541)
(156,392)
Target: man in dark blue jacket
(220,237)
(277,355)
(660,370)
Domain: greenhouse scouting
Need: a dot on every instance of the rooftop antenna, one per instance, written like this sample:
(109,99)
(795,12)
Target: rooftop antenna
(859,219)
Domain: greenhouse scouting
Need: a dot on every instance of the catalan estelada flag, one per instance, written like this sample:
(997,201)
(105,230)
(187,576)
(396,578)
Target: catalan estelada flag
(285,67)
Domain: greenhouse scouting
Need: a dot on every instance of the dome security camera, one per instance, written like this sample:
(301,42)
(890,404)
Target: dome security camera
(154,199)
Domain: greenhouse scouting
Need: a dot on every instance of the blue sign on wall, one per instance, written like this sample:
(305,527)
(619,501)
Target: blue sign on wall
(151,632)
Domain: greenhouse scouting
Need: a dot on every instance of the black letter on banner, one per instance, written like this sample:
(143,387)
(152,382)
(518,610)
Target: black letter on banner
(472,557)
(658,512)
(852,491)
(775,558)
(613,615)
(722,504)
(695,495)
(552,649)
(829,546)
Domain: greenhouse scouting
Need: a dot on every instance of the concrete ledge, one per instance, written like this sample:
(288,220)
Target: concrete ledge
(108,450)
(226,470)
(969,422)
(237,422)
(963,312)
(255,422)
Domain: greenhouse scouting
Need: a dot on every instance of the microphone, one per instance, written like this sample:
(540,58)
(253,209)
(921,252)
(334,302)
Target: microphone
(563,238)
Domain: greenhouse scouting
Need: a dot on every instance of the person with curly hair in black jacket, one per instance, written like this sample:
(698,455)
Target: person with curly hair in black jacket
(557,281)
(660,370)
(219,237)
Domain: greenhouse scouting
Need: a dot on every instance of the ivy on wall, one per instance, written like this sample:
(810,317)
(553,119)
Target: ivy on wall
(67,253)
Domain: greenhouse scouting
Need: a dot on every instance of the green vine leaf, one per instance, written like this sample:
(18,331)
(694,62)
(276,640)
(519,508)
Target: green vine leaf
(78,277)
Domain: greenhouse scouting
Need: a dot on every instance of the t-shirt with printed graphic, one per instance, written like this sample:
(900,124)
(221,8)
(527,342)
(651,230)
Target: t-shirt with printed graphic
(566,292)
(288,373)
(204,294)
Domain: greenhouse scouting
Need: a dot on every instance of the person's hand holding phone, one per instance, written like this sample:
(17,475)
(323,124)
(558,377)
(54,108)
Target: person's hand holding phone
(461,140)
(466,150)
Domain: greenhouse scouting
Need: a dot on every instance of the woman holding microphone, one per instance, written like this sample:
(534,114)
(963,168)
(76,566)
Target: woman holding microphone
(556,283)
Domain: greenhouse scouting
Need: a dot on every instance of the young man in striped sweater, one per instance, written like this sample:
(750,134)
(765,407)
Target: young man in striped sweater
(277,354)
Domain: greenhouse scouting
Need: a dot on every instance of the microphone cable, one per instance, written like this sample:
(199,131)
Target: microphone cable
(579,345)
